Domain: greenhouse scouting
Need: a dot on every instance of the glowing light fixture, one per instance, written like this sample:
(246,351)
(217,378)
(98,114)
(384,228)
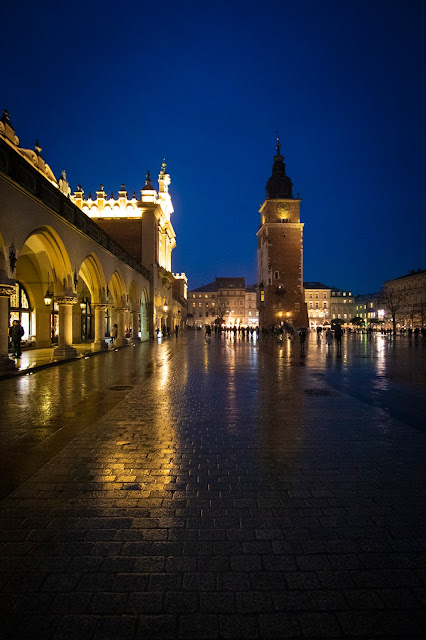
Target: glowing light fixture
(165,307)
(48,296)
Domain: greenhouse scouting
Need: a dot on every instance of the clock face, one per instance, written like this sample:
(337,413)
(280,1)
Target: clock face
(283,210)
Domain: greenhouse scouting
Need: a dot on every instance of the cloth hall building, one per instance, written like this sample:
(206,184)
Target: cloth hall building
(71,267)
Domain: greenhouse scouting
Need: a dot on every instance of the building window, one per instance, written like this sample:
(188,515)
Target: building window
(316,305)
(325,305)
(20,309)
(325,295)
(262,295)
(310,295)
(276,274)
(311,305)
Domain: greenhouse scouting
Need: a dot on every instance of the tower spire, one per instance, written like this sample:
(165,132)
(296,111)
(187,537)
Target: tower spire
(279,184)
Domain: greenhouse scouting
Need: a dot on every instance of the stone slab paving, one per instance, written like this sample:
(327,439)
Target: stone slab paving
(232,495)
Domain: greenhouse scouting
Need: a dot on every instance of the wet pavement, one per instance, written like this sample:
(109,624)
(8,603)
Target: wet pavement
(222,489)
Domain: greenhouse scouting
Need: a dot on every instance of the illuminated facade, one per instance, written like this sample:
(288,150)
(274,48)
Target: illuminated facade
(317,298)
(143,226)
(63,276)
(342,305)
(281,297)
(227,298)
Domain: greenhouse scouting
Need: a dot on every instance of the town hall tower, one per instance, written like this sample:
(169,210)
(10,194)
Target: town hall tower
(281,297)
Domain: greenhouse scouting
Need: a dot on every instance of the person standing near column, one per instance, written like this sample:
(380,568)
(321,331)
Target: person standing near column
(16,332)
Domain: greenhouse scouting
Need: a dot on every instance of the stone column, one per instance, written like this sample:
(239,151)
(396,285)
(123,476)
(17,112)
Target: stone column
(43,317)
(65,348)
(119,316)
(99,342)
(6,364)
(135,326)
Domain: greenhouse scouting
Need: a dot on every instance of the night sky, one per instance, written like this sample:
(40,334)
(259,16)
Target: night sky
(112,88)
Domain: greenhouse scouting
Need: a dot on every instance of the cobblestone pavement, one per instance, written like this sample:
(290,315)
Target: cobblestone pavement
(240,491)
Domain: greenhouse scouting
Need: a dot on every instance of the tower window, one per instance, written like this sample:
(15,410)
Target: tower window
(276,274)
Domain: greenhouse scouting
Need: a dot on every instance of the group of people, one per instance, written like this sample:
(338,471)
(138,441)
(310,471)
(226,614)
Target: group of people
(165,332)
(235,330)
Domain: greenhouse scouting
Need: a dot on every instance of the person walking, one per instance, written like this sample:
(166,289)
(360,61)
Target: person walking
(302,337)
(16,332)
(329,337)
(338,332)
(113,333)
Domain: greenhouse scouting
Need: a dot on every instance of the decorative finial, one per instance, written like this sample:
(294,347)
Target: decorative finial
(37,147)
(123,187)
(278,144)
(148,184)
(101,187)
(163,167)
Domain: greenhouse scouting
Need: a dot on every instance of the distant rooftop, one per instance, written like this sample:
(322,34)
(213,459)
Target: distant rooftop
(223,283)
(316,285)
(412,272)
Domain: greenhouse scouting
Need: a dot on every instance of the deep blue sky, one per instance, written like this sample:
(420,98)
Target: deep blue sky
(111,88)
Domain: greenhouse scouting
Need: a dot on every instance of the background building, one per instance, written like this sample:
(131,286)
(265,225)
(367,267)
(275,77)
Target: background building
(280,252)
(341,305)
(317,298)
(370,308)
(405,299)
(227,298)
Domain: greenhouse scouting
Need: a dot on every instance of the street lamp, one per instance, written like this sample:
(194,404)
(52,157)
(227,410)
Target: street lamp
(48,297)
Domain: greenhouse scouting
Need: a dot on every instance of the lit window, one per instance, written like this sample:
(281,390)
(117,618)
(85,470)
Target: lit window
(193,295)
(249,313)
(206,296)
(262,295)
